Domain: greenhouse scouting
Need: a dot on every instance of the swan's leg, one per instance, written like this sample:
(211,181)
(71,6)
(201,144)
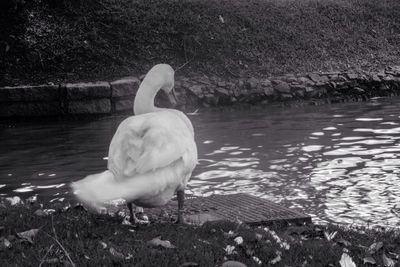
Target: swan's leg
(181,199)
(132,217)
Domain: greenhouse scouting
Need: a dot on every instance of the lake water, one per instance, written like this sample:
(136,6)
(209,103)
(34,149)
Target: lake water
(339,162)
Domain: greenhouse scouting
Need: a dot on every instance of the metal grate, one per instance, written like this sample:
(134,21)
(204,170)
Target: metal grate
(246,208)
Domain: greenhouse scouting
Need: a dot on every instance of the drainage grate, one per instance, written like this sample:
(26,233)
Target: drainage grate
(246,208)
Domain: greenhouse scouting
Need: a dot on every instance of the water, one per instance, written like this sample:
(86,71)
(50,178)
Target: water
(339,163)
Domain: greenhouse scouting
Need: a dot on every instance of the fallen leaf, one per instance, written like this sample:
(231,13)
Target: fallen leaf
(375,247)
(158,242)
(259,237)
(221,19)
(238,240)
(346,261)
(189,264)
(116,253)
(387,262)
(126,221)
(66,207)
(277,258)
(32,199)
(52,260)
(4,243)
(14,200)
(250,252)
(103,244)
(204,241)
(130,256)
(369,260)
(40,213)
(229,249)
(330,236)
(343,242)
(28,235)
(257,260)
(86,257)
(230,234)
(285,245)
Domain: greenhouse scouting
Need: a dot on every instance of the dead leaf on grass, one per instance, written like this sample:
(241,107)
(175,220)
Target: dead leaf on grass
(189,264)
(343,242)
(14,200)
(230,234)
(238,240)
(40,213)
(375,247)
(28,235)
(4,243)
(330,236)
(229,250)
(257,260)
(387,262)
(346,261)
(369,260)
(130,256)
(103,244)
(277,258)
(158,242)
(116,253)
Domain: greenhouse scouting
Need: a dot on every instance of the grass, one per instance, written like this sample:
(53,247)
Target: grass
(101,240)
(104,39)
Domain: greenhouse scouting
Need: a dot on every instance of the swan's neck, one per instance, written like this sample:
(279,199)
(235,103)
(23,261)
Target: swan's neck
(144,99)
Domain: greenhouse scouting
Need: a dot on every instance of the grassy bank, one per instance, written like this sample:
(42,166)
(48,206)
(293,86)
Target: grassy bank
(66,40)
(76,237)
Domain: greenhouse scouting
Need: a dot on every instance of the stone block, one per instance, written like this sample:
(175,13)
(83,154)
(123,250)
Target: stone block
(92,106)
(124,87)
(252,83)
(222,92)
(318,78)
(81,91)
(352,76)
(124,104)
(305,81)
(29,93)
(33,109)
(282,87)
(269,91)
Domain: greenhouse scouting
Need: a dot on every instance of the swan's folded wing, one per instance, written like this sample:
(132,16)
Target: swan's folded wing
(148,142)
(160,148)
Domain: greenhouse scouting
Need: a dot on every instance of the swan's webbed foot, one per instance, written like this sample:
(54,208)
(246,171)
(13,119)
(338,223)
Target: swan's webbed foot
(133,219)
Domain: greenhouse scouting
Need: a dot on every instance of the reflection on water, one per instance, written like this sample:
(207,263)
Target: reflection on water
(338,163)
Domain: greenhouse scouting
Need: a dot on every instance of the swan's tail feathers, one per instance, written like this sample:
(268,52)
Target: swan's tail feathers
(96,189)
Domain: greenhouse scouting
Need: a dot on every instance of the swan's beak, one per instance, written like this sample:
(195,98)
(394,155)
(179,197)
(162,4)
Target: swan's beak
(172,97)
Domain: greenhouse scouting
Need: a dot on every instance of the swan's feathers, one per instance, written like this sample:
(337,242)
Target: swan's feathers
(149,142)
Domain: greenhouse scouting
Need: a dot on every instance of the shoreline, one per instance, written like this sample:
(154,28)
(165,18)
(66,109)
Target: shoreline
(67,236)
(105,98)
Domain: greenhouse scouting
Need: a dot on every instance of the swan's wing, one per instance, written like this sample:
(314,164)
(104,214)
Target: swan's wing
(149,142)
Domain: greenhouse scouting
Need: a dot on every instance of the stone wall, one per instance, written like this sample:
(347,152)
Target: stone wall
(117,96)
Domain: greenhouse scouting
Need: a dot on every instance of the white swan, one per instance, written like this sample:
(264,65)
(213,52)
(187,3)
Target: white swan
(151,156)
